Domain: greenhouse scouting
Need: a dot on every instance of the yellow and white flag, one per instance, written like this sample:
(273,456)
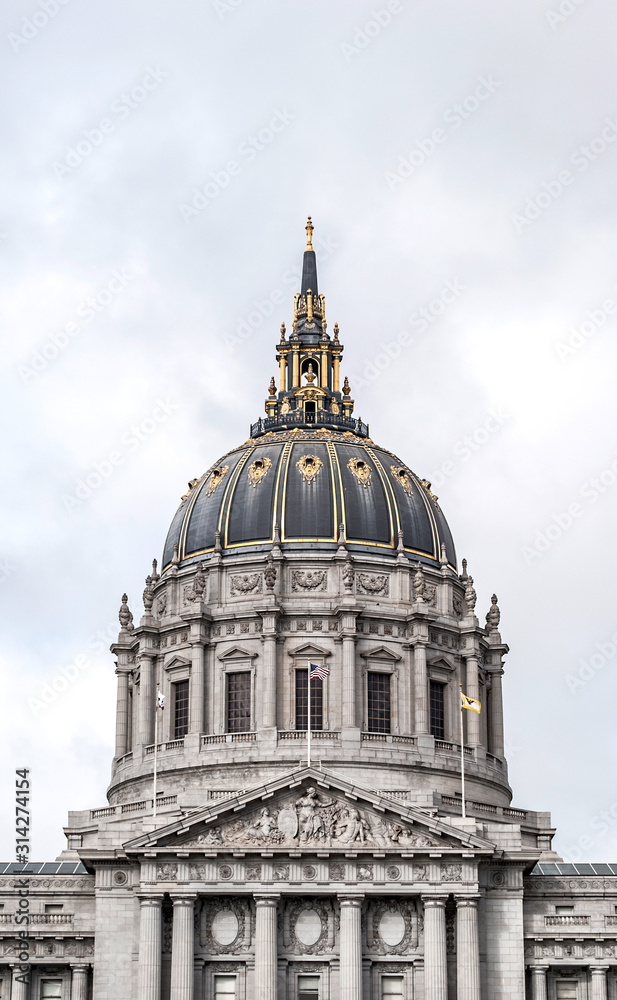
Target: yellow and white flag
(470,703)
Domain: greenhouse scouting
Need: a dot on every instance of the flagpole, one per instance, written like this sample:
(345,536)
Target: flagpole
(308,728)
(462,755)
(156,745)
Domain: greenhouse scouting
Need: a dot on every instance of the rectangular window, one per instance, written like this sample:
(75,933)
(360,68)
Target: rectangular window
(566,991)
(224,987)
(438,728)
(564,909)
(308,987)
(302,705)
(391,986)
(54,907)
(181,709)
(378,702)
(51,988)
(239,702)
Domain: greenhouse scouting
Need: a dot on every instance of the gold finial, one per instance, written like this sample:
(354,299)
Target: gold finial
(310,374)
(309,234)
(282,332)
(346,387)
(336,333)
(271,388)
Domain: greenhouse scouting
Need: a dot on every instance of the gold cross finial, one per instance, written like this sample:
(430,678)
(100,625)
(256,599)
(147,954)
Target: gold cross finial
(309,234)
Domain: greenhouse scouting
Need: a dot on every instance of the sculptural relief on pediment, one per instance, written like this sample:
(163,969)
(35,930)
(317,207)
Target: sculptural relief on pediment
(313,819)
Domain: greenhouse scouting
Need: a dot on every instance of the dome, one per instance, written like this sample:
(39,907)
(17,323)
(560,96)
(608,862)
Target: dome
(308,486)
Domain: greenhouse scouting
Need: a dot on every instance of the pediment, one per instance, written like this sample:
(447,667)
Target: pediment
(380,653)
(441,662)
(176,662)
(309,649)
(309,810)
(237,653)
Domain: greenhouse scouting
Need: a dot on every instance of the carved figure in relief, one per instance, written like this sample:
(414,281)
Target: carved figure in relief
(351,826)
(310,821)
(270,572)
(212,837)
(263,825)
(418,583)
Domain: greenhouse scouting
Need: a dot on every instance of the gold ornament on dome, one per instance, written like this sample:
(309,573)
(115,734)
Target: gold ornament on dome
(427,487)
(361,470)
(191,484)
(285,406)
(258,470)
(402,476)
(215,478)
(309,466)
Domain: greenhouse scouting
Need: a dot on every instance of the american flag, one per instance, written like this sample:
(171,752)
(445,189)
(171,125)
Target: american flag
(318,672)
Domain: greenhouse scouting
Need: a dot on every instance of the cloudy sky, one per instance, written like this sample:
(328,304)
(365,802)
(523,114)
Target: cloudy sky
(459,162)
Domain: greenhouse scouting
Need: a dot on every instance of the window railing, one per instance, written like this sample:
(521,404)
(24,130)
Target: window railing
(298,418)
(566,919)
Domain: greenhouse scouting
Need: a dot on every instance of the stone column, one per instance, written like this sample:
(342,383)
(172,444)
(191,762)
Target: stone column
(598,982)
(435,963)
(20,989)
(538,982)
(467,949)
(150,940)
(496,739)
(197,689)
(473,691)
(351,947)
(182,948)
(122,712)
(349,681)
(79,982)
(420,681)
(146,700)
(268,685)
(265,947)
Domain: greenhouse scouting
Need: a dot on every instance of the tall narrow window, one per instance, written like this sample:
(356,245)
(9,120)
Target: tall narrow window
(239,702)
(378,703)
(224,987)
(181,709)
(308,987)
(392,986)
(51,988)
(302,701)
(438,726)
(566,991)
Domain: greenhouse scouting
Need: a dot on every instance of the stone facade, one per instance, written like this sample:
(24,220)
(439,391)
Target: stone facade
(250,872)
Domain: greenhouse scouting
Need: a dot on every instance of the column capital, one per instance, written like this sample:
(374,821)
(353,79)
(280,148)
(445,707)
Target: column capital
(183,898)
(471,901)
(266,898)
(598,970)
(436,901)
(538,969)
(150,898)
(350,899)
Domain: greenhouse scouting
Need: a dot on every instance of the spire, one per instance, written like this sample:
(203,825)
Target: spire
(309,379)
(309,265)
